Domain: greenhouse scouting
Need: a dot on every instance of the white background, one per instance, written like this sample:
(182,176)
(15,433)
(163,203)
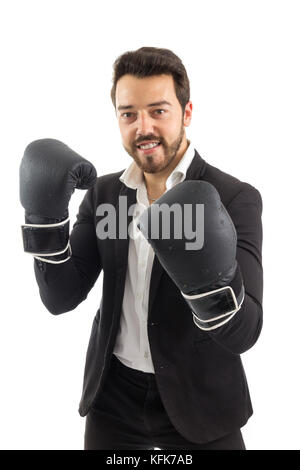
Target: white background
(242,58)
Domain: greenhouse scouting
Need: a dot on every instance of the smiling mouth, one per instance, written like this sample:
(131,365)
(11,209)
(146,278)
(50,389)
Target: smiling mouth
(149,146)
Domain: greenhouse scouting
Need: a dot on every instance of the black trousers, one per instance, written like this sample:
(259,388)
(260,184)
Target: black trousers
(129,414)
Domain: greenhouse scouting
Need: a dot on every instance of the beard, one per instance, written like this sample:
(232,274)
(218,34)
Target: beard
(149,164)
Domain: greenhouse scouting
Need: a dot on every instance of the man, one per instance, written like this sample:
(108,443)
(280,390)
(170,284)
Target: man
(159,373)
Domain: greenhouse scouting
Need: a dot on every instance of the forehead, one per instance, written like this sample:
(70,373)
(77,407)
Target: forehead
(136,91)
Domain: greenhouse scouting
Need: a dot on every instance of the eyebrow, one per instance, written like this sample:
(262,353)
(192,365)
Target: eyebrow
(157,103)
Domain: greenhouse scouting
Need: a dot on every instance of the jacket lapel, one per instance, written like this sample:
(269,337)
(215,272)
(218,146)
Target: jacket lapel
(127,197)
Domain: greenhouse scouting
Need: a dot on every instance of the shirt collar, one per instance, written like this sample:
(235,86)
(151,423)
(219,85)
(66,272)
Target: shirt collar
(133,176)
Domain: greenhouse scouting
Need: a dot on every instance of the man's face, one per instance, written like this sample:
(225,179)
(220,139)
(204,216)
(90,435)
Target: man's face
(149,114)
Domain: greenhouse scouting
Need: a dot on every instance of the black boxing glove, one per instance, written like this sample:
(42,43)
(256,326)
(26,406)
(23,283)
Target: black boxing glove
(49,173)
(206,270)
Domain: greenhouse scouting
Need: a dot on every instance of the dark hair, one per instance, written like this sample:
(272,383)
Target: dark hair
(149,61)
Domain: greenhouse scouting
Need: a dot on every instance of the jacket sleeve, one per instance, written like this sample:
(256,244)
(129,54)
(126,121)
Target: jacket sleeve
(63,286)
(243,330)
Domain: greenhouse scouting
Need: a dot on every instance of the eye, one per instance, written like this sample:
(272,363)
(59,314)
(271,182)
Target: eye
(160,111)
(126,115)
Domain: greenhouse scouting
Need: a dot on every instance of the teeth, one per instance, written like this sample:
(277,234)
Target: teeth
(149,146)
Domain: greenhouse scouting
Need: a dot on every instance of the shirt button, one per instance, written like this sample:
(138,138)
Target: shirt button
(146,355)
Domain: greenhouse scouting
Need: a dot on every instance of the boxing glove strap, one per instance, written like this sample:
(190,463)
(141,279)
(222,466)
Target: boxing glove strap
(214,325)
(218,303)
(58,258)
(46,239)
(215,322)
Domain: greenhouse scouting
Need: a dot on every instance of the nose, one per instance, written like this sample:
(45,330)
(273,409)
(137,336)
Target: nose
(144,124)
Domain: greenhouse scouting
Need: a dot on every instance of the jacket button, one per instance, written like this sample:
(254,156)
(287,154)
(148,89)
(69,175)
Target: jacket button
(153,323)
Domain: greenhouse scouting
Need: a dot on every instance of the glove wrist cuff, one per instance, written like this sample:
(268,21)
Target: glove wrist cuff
(58,258)
(46,239)
(218,303)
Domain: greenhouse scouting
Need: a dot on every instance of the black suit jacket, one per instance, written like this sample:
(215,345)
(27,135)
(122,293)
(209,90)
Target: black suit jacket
(199,374)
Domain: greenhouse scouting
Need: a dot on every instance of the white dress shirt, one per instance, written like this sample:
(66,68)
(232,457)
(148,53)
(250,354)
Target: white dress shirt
(132,343)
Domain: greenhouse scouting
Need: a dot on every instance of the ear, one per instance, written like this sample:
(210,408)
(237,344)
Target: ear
(188,114)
